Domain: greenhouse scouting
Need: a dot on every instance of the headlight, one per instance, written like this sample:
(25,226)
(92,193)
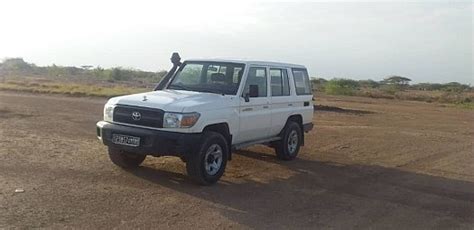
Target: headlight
(180,120)
(109,112)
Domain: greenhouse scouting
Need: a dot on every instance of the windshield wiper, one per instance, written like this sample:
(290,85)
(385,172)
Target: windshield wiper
(203,90)
(179,87)
(208,90)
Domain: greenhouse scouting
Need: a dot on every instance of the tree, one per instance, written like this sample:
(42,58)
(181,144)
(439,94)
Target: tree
(13,64)
(396,80)
(395,83)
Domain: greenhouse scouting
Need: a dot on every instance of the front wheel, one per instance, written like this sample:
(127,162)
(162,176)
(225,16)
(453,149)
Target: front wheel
(125,159)
(289,146)
(207,165)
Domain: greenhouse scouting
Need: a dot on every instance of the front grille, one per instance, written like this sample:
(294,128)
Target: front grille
(148,116)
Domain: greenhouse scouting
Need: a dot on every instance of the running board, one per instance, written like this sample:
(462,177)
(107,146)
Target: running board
(262,141)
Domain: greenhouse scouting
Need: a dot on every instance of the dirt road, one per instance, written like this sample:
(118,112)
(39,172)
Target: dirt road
(375,163)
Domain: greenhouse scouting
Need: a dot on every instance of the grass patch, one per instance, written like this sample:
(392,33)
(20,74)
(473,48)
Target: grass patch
(464,105)
(341,87)
(69,88)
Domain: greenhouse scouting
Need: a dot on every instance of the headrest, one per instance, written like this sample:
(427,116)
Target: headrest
(217,77)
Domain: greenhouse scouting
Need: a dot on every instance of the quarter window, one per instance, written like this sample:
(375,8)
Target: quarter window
(302,84)
(279,82)
(257,76)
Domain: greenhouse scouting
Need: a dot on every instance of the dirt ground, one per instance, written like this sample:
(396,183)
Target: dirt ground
(369,163)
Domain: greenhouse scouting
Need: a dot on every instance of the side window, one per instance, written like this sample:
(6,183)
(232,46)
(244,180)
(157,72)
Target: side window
(302,84)
(257,76)
(279,82)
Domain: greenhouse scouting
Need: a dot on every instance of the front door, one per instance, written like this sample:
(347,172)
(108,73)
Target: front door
(255,121)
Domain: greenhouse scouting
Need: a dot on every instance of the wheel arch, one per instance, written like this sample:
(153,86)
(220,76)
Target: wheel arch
(223,129)
(298,118)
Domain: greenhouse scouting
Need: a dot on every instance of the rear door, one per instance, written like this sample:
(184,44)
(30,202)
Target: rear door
(281,99)
(255,121)
(303,103)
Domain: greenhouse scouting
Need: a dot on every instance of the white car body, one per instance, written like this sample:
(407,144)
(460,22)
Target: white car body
(207,108)
(266,119)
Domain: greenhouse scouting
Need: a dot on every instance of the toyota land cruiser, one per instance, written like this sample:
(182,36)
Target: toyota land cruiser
(202,110)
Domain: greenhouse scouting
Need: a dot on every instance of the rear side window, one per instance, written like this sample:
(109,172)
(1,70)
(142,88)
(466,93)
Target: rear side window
(279,82)
(302,83)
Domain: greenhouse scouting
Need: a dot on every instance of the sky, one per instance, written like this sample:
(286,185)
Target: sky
(426,41)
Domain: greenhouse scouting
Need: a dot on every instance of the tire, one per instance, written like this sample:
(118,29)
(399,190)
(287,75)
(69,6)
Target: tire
(124,159)
(207,165)
(288,147)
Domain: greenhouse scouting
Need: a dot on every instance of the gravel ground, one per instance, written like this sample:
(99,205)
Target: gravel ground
(369,163)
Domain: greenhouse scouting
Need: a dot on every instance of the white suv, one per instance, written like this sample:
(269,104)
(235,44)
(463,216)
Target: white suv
(204,109)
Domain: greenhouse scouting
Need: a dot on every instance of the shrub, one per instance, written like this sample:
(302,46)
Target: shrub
(390,89)
(369,83)
(341,87)
(318,83)
(455,87)
(374,93)
(119,75)
(454,97)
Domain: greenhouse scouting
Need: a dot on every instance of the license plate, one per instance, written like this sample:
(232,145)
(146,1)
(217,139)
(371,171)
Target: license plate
(125,140)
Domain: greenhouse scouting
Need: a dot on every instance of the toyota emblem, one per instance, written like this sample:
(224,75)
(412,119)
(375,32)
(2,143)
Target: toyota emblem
(136,116)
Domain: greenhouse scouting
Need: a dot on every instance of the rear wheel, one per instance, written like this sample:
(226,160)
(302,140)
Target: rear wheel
(207,165)
(288,147)
(125,159)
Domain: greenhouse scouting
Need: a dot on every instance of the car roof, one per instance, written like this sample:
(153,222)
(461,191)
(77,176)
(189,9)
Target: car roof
(248,62)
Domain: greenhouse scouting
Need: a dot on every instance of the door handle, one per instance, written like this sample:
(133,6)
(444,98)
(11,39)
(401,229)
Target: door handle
(247,109)
(265,106)
(290,104)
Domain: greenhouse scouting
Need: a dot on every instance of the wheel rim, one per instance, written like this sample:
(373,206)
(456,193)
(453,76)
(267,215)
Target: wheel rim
(292,141)
(213,159)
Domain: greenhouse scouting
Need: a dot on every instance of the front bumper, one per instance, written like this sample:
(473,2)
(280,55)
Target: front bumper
(152,142)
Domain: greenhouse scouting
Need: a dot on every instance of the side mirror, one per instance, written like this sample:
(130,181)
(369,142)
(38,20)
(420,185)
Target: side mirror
(246,97)
(253,90)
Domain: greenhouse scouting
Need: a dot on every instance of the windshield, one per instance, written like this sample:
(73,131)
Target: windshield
(211,77)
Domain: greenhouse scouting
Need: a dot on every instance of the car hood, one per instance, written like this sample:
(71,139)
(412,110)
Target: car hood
(174,100)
